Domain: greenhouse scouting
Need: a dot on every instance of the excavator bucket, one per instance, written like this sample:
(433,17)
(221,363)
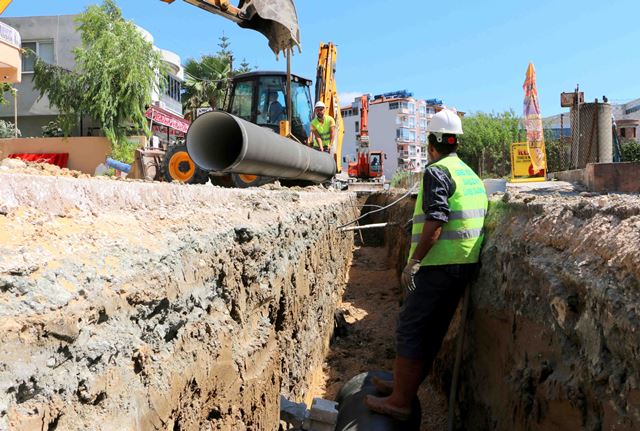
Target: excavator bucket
(276,19)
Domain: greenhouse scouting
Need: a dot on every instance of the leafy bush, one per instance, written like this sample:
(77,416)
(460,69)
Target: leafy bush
(52,130)
(8,129)
(124,151)
(630,150)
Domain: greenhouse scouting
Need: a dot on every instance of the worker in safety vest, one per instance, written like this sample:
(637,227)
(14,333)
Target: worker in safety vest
(323,128)
(446,238)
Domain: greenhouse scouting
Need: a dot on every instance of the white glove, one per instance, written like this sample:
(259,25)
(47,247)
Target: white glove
(406,279)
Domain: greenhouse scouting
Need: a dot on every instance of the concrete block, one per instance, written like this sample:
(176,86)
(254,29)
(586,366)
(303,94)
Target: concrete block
(324,411)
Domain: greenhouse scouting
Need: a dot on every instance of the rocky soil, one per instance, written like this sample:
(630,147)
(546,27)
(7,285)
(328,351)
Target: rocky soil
(158,306)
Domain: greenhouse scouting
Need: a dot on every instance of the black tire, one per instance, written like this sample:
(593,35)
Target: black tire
(199,176)
(241,182)
(221,180)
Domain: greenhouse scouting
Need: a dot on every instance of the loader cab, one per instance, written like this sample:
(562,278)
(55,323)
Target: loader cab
(260,98)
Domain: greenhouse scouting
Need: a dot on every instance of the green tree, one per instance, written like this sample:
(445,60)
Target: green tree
(630,150)
(116,73)
(486,141)
(207,80)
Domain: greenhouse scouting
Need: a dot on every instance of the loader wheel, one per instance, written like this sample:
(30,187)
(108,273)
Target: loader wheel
(242,181)
(178,166)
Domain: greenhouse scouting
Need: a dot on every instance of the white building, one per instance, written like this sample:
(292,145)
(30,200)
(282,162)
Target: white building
(397,126)
(53,38)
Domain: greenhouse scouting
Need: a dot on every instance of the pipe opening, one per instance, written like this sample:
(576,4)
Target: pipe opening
(214,141)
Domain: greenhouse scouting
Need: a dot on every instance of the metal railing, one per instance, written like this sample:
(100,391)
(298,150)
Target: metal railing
(10,35)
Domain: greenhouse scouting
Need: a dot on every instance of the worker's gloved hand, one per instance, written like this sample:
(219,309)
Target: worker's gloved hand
(406,279)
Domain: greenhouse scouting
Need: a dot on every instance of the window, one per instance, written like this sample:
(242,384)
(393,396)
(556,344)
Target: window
(423,123)
(301,100)
(403,134)
(422,110)
(271,101)
(357,127)
(431,111)
(412,108)
(42,48)
(393,105)
(402,120)
(627,112)
(412,122)
(243,94)
(423,139)
(173,88)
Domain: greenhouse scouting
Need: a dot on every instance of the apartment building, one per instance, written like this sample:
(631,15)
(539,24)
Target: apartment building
(397,126)
(53,39)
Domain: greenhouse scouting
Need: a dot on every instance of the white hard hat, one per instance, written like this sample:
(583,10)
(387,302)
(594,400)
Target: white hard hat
(320,104)
(445,121)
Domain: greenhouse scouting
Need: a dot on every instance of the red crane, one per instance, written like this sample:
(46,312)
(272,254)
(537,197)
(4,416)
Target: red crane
(368,164)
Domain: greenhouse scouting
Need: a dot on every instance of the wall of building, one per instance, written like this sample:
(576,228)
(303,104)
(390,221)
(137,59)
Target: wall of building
(62,31)
(34,111)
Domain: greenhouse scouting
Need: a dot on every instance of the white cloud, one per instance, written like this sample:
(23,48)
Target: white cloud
(347,98)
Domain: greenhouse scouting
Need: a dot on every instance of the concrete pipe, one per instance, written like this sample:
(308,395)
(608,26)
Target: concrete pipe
(353,415)
(218,141)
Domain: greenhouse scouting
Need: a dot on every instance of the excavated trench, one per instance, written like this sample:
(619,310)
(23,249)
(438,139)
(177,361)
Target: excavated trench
(553,332)
(128,305)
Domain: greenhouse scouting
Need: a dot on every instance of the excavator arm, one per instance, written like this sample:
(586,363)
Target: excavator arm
(277,20)
(327,92)
(4,4)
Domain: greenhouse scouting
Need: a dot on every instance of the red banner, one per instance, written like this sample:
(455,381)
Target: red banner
(160,116)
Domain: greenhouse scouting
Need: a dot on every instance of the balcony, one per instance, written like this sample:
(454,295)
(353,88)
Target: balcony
(11,65)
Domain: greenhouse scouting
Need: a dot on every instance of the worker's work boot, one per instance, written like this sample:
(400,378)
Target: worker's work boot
(408,375)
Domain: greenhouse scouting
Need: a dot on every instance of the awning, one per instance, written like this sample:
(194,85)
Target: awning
(166,118)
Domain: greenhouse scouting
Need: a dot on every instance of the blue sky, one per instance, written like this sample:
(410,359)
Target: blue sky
(472,54)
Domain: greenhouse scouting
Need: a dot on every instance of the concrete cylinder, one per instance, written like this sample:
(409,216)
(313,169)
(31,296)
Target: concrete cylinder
(605,133)
(596,139)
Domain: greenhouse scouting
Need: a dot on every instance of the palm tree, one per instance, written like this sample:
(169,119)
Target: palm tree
(206,82)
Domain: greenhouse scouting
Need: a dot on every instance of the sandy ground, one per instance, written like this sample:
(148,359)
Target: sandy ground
(370,306)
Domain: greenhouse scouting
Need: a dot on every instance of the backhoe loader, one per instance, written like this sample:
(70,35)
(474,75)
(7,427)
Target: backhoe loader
(279,101)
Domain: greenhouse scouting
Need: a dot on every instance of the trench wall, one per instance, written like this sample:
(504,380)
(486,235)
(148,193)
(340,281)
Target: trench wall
(127,305)
(553,333)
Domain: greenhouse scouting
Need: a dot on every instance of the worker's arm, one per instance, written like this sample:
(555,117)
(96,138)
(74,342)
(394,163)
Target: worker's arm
(430,233)
(333,137)
(438,187)
(317,136)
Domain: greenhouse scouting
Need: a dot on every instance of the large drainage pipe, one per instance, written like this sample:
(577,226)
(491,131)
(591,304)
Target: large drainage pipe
(354,415)
(219,141)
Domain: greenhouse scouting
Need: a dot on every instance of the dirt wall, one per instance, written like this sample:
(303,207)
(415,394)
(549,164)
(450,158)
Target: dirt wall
(554,323)
(128,305)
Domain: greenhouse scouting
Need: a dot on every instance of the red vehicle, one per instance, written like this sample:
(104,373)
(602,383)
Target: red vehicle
(368,165)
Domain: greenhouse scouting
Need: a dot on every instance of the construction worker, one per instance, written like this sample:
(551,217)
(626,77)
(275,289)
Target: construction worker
(323,128)
(446,238)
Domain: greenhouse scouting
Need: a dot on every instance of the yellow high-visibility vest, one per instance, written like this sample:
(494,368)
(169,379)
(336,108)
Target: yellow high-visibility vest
(461,237)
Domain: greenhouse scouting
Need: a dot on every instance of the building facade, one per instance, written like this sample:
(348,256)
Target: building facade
(397,126)
(53,39)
